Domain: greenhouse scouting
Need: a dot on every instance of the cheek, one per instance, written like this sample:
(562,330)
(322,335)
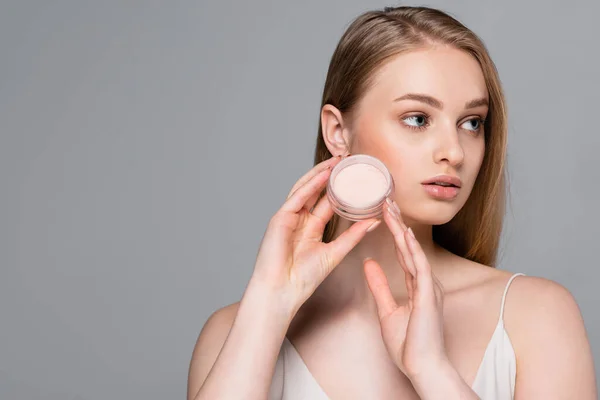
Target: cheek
(368,138)
(473,161)
(378,136)
(401,158)
(405,167)
(374,132)
(477,152)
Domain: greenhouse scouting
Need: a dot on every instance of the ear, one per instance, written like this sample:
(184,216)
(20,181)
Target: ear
(335,131)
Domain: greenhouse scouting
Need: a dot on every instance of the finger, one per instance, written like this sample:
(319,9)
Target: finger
(409,276)
(322,166)
(311,202)
(409,280)
(337,249)
(425,285)
(439,289)
(394,215)
(400,257)
(391,219)
(378,284)
(420,260)
(320,216)
(398,234)
(437,281)
(301,196)
(396,211)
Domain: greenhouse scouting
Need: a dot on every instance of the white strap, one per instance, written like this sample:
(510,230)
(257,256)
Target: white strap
(506,291)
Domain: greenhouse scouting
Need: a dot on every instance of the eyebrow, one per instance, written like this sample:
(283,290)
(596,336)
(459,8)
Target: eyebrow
(433,102)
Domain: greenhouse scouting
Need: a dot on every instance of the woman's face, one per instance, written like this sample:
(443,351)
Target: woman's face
(423,117)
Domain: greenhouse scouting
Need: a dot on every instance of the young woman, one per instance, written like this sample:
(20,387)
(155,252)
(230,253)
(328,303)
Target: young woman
(412,307)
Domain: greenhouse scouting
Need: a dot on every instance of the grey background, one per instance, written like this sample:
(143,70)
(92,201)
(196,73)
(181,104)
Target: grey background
(145,145)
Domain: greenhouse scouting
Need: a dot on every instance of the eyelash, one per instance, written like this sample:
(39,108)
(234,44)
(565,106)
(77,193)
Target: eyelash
(427,122)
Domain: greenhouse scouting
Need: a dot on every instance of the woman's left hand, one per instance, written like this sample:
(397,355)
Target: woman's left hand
(412,332)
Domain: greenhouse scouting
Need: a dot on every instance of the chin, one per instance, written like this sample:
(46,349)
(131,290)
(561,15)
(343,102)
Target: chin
(432,212)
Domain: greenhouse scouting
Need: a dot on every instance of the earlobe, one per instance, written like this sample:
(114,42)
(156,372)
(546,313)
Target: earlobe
(334,130)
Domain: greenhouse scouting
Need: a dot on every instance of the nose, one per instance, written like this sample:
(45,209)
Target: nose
(448,148)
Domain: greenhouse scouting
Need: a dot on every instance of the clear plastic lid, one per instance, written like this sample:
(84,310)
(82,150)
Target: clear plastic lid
(360,210)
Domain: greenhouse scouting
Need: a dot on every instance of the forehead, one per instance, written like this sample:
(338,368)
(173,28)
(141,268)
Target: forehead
(449,74)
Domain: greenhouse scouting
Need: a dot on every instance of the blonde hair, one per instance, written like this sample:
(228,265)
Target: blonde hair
(371,40)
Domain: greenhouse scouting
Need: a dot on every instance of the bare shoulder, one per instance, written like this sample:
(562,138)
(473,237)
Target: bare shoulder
(547,331)
(545,327)
(208,346)
(530,300)
(219,323)
(537,304)
(533,304)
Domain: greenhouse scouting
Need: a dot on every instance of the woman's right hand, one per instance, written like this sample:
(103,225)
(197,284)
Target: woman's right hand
(292,259)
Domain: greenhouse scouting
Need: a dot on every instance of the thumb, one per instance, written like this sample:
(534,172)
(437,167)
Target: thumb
(378,284)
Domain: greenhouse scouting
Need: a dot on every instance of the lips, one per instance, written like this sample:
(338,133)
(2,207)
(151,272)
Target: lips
(442,187)
(441,192)
(444,181)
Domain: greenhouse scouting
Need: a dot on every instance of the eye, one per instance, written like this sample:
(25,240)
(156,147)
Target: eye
(418,122)
(474,124)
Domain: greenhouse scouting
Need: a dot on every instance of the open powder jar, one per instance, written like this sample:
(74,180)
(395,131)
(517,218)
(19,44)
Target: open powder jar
(358,186)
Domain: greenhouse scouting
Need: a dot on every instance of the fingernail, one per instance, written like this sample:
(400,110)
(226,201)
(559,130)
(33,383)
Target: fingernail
(366,259)
(374,225)
(396,206)
(411,233)
(391,207)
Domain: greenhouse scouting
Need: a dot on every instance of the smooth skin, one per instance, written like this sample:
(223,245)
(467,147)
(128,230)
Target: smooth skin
(385,314)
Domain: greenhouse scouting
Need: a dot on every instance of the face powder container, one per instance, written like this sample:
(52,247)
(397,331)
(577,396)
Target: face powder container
(358,186)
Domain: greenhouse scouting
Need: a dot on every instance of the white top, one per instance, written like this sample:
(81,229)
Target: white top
(495,379)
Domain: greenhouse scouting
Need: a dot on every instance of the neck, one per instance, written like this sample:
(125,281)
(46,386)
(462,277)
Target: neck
(345,289)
